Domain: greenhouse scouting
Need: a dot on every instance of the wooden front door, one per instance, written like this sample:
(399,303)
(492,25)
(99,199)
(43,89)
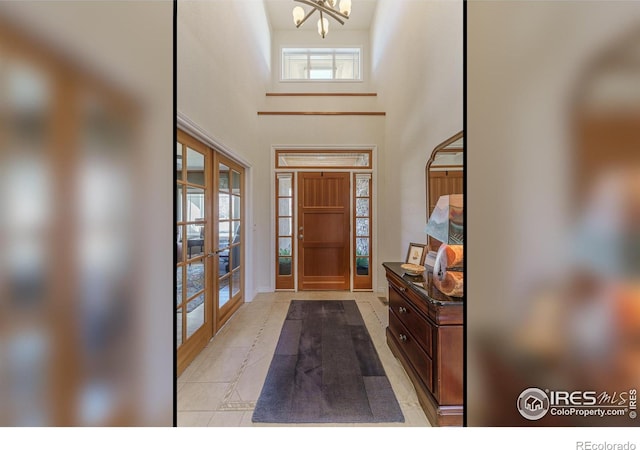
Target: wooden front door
(323,231)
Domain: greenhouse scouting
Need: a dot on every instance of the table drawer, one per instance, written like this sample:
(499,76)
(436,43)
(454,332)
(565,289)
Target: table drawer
(413,321)
(420,361)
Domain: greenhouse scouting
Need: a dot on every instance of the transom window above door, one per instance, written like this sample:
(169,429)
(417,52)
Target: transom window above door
(335,159)
(321,64)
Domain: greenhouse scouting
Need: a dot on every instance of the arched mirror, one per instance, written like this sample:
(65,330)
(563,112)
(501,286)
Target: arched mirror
(444,175)
(606,117)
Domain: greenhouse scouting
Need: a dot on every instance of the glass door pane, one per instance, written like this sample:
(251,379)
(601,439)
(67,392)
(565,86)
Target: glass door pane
(284,224)
(362,275)
(230,269)
(194,313)
(224,233)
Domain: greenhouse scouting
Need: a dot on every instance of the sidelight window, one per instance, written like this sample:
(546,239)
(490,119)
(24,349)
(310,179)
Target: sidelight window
(362,278)
(284,227)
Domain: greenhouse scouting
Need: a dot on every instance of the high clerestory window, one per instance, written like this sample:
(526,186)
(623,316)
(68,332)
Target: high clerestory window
(321,64)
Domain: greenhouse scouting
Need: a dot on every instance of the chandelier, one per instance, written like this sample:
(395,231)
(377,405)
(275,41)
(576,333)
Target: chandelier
(324,7)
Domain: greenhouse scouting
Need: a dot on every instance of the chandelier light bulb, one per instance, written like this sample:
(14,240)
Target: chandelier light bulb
(328,7)
(298,14)
(323,26)
(345,7)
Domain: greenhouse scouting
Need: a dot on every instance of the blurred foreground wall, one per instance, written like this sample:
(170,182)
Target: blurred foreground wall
(86,130)
(553,199)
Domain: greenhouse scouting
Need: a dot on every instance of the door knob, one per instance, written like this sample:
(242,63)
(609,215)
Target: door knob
(301,236)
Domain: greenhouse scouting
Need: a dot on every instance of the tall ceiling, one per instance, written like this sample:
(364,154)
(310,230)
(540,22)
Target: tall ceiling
(279,14)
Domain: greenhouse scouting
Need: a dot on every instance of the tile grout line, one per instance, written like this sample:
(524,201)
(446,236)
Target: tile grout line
(226,404)
(375,314)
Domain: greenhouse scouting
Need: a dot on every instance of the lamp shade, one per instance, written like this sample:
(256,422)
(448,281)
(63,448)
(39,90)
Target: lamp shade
(446,223)
(345,7)
(298,14)
(323,26)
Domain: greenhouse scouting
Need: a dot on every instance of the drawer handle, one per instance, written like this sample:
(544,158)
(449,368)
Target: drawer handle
(403,289)
(402,309)
(403,338)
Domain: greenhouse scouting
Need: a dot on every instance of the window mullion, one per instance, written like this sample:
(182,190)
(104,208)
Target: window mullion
(333,64)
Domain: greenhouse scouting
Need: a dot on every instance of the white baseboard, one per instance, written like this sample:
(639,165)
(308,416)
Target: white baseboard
(260,290)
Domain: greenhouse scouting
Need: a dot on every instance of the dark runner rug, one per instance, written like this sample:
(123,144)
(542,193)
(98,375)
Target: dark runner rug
(326,370)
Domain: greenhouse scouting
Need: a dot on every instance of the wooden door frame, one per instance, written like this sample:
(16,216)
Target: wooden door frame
(374,213)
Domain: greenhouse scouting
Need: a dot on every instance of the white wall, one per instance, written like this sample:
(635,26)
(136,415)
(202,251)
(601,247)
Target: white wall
(223,64)
(417,71)
(222,73)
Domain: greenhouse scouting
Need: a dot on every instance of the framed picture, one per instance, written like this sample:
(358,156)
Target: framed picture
(416,253)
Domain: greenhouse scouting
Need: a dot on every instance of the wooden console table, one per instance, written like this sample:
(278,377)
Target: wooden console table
(425,333)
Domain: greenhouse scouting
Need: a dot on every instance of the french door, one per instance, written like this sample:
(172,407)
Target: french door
(229,242)
(209,244)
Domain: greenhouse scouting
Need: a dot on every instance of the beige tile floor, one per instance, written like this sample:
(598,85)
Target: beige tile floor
(221,386)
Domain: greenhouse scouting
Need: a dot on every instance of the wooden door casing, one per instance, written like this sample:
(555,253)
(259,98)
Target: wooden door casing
(323,231)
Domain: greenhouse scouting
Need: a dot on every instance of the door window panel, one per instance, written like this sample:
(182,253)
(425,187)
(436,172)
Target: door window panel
(223,292)
(362,232)
(179,327)
(195,315)
(284,224)
(195,167)
(284,207)
(228,275)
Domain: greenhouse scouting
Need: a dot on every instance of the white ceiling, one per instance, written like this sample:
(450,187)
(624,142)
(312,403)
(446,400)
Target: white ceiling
(279,14)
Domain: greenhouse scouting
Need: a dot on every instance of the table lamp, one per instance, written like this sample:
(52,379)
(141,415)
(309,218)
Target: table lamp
(446,225)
